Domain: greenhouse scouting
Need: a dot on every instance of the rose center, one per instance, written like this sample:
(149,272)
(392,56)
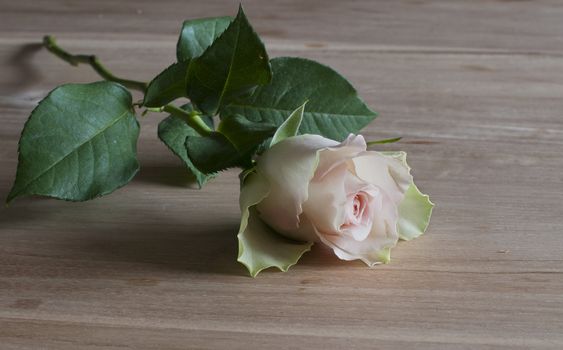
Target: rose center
(357,209)
(356,206)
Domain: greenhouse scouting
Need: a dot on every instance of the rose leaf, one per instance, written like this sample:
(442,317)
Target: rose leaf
(232,66)
(169,85)
(334,109)
(245,135)
(198,34)
(214,152)
(173,132)
(233,145)
(79,143)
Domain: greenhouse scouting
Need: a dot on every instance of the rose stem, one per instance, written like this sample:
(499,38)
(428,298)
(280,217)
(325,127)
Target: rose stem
(193,118)
(51,45)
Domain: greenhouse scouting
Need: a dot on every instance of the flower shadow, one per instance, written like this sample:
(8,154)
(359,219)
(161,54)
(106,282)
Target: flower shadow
(172,176)
(133,244)
(323,256)
(209,250)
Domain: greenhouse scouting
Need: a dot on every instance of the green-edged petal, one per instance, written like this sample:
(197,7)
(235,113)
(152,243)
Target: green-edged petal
(414,210)
(261,247)
(384,255)
(414,213)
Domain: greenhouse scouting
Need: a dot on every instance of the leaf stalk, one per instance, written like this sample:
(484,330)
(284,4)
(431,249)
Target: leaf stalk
(192,118)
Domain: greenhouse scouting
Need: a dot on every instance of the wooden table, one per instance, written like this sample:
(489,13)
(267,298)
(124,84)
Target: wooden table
(474,87)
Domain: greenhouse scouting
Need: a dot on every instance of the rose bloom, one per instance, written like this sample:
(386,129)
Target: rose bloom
(318,190)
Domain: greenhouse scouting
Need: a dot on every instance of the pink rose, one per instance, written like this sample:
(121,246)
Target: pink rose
(309,188)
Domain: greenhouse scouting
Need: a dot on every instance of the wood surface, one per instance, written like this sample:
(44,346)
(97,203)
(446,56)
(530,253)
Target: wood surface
(475,88)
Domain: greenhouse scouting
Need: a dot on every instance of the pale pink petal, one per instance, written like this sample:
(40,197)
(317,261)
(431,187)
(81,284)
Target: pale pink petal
(387,173)
(358,222)
(358,225)
(334,156)
(289,166)
(326,204)
(375,247)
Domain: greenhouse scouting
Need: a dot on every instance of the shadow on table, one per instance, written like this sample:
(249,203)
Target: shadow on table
(206,250)
(210,250)
(173,176)
(141,246)
(27,74)
(131,242)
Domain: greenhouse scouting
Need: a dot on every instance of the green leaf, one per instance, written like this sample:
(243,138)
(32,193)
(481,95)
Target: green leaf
(197,35)
(79,143)
(214,153)
(415,209)
(232,146)
(169,85)
(232,66)
(245,135)
(173,132)
(259,246)
(334,109)
(290,127)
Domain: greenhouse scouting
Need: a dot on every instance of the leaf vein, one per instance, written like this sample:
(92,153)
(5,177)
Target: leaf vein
(28,183)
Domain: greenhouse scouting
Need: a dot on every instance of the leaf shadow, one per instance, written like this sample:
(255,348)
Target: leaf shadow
(172,176)
(131,243)
(24,210)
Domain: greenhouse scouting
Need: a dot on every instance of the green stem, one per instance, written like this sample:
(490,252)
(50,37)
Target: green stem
(51,45)
(193,118)
(379,142)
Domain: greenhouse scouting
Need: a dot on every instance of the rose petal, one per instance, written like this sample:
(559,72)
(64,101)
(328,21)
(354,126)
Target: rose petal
(327,200)
(387,173)
(332,157)
(375,248)
(259,246)
(359,228)
(415,209)
(289,166)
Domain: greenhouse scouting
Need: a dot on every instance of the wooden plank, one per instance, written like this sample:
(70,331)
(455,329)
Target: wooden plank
(519,25)
(153,265)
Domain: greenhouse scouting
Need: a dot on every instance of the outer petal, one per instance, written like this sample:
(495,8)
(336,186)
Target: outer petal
(259,246)
(332,157)
(326,205)
(289,166)
(415,209)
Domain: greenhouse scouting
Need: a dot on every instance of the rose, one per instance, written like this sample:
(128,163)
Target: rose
(309,188)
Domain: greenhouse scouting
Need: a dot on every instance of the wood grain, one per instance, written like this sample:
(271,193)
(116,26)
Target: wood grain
(474,87)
